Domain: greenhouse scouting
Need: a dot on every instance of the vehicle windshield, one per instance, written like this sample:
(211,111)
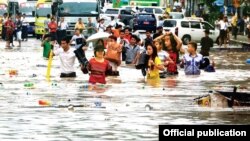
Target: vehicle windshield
(27,8)
(111,11)
(147,10)
(148,16)
(207,26)
(169,23)
(43,10)
(176,15)
(75,8)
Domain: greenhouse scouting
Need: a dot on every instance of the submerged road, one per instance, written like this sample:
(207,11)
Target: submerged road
(127,109)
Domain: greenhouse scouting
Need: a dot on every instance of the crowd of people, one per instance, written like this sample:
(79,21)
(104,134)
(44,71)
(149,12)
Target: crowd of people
(14,29)
(237,26)
(157,56)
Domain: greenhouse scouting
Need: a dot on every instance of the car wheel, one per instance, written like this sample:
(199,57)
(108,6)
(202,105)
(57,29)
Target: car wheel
(186,39)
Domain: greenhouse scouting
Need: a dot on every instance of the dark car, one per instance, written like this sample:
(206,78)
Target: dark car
(144,21)
(126,15)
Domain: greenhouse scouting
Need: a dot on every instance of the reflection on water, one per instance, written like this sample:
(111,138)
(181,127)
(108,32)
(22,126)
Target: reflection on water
(126,109)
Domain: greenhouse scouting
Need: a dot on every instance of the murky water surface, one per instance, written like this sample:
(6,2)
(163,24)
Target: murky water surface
(130,109)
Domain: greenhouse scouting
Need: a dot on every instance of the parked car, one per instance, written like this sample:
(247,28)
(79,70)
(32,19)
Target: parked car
(144,21)
(110,12)
(189,30)
(153,10)
(126,15)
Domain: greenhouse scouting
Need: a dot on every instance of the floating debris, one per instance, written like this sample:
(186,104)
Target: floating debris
(71,108)
(44,103)
(148,107)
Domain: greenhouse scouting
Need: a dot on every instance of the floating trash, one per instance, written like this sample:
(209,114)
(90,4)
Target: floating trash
(13,72)
(1,85)
(39,65)
(148,107)
(98,102)
(71,108)
(54,84)
(44,103)
(248,61)
(29,85)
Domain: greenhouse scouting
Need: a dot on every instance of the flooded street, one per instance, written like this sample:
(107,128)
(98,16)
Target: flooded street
(128,108)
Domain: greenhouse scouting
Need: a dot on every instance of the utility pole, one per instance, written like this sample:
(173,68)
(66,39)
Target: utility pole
(225,6)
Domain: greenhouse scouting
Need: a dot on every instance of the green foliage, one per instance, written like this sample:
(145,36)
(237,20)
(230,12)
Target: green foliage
(214,11)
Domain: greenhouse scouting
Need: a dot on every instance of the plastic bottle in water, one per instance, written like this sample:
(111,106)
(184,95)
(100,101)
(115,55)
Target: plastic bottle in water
(28,84)
(1,85)
(98,102)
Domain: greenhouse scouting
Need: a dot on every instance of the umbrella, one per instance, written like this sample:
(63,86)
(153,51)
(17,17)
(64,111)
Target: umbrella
(97,36)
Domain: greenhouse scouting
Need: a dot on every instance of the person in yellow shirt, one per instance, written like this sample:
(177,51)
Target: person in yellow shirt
(168,8)
(80,25)
(154,65)
(234,26)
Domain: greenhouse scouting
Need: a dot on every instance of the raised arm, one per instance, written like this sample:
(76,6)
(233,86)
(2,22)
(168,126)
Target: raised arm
(179,42)
(159,38)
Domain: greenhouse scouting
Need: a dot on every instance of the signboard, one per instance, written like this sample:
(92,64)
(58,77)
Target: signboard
(43,5)
(13,0)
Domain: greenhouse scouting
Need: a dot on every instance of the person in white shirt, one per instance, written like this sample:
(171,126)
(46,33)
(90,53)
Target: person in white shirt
(78,39)
(62,26)
(100,26)
(137,10)
(113,22)
(223,31)
(67,58)
(25,24)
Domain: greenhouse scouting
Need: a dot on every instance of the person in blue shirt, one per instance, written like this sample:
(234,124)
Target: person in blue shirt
(192,60)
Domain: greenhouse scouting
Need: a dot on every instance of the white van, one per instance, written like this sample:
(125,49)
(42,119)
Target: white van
(188,29)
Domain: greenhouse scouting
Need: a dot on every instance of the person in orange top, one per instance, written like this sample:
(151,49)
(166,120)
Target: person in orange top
(113,54)
(117,30)
(52,29)
(80,25)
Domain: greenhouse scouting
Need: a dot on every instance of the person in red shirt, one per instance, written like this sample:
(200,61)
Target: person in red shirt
(10,27)
(52,29)
(127,35)
(98,66)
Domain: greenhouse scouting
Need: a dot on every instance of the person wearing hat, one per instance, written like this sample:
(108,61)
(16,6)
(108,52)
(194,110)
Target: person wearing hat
(206,44)
(100,26)
(109,30)
(159,32)
(98,66)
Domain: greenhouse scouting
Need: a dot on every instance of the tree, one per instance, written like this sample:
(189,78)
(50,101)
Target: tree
(214,11)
